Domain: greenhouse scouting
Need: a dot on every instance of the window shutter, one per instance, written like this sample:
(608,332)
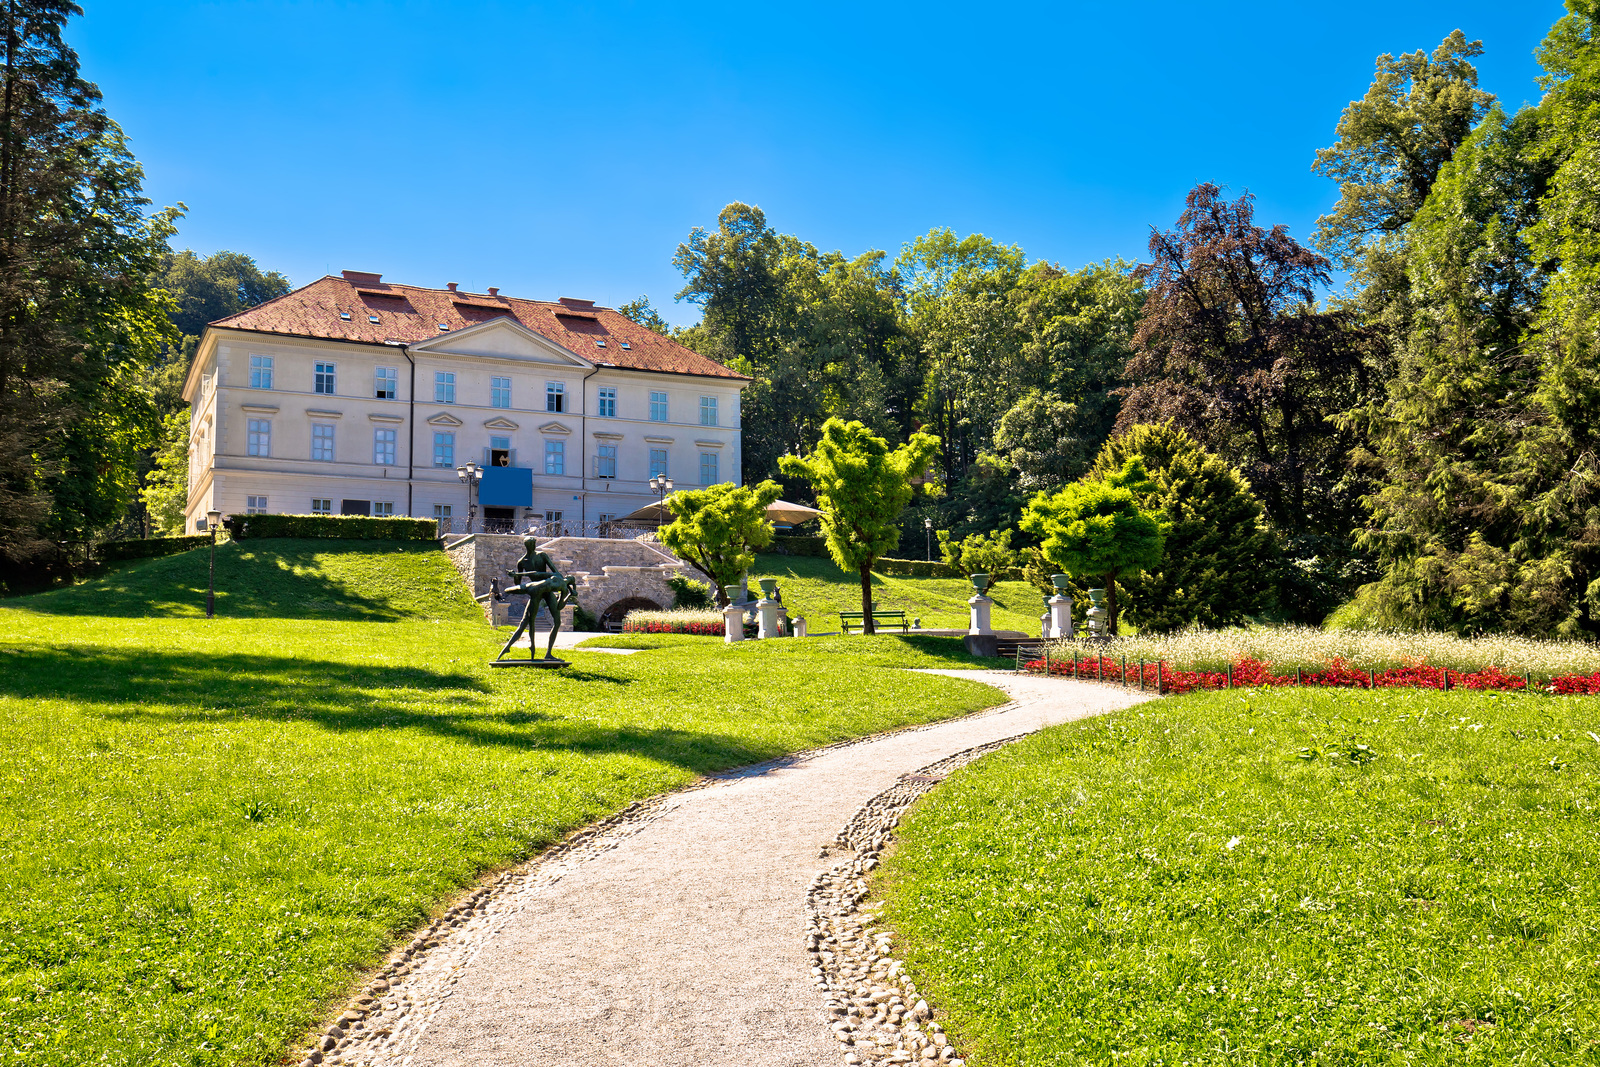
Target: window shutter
(513,457)
(485,458)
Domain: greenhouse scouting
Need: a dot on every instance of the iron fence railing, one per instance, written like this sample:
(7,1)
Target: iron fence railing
(546,529)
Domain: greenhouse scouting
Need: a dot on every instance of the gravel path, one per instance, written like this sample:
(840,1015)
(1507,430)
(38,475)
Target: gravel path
(676,935)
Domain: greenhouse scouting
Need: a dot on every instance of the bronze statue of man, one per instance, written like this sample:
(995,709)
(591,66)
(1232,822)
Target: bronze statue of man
(537,578)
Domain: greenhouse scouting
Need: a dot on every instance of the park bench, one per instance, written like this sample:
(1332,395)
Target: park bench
(879,619)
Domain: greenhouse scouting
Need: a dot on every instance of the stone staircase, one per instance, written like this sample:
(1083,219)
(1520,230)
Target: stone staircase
(611,572)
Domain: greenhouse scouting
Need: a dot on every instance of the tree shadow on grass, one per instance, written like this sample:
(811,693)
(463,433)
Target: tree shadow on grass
(156,686)
(277,578)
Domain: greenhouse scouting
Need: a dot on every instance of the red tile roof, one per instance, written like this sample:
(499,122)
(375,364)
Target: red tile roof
(409,313)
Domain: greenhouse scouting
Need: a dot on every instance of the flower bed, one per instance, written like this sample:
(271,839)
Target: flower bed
(704,622)
(1248,671)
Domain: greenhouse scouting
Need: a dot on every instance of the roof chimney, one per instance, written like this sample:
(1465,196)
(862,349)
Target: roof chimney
(451,286)
(494,291)
(361,277)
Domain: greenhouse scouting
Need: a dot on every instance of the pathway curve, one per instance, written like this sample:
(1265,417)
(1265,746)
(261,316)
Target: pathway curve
(677,936)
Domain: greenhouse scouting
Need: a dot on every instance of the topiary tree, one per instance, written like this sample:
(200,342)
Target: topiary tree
(861,486)
(977,554)
(1220,554)
(718,529)
(1097,528)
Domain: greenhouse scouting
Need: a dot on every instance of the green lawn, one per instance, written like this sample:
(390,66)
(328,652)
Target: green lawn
(818,589)
(1267,878)
(210,828)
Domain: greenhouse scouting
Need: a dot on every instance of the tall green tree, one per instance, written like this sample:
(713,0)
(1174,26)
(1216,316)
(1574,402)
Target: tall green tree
(1220,555)
(717,530)
(861,485)
(640,310)
(78,320)
(1098,528)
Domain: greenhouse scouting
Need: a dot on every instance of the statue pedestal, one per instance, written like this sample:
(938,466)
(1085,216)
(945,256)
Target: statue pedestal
(1060,617)
(769,618)
(732,624)
(980,607)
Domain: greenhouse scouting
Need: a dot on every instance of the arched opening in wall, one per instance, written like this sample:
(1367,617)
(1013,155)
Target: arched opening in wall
(611,618)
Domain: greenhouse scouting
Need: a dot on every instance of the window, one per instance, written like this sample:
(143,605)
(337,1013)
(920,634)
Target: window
(708,468)
(552,518)
(322,442)
(555,396)
(499,392)
(261,372)
(555,457)
(321,505)
(499,452)
(708,411)
(323,379)
(383,447)
(658,407)
(441,514)
(605,461)
(383,508)
(259,440)
(444,387)
(386,383)
(608,403)
(255,505)
(658,462)
(444,450)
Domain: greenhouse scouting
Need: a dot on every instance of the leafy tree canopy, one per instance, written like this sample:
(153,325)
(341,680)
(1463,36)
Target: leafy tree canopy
(861,485)
(977,554)
(718,529)
(641,311)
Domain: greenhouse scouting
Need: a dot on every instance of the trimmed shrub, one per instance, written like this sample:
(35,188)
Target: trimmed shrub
(148,547)
(688,593)
(350,527)
(798,545)
(915,568)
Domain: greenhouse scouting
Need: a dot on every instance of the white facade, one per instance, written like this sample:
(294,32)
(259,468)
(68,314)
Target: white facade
(298,425)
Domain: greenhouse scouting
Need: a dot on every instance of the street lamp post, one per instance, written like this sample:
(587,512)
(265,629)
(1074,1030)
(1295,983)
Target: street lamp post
(470,474)
(212,518)
(662,485)
(927,533)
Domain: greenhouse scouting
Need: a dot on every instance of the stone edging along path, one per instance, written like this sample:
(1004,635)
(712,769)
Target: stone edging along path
(664,951)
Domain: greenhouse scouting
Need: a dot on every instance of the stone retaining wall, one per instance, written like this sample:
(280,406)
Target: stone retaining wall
(609,570)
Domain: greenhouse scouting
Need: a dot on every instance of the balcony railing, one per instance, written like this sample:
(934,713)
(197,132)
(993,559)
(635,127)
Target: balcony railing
(549,528)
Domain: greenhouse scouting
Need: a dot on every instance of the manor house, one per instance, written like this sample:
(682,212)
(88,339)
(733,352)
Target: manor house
(356,396)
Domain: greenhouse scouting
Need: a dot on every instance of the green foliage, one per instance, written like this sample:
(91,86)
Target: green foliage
(799,545)
(584,620)
(166,490)
(213,824)
(149,547)
(349,527)
(1136,886)
(1219,557)
(688,593)
(915,568)
(861,487)
(818,589)
(976,554)
(78,320)
(1394,141)
(1099,529)
(641,311)
(718,530)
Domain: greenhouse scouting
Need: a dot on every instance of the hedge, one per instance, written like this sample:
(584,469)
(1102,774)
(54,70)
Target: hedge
(145,548)
(798,545)
(915,568)
(352,527)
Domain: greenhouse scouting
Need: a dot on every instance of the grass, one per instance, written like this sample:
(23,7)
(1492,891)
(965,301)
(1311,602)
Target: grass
(879,650)
(1288,647)
(209,829)
(1267,877)
(818,590)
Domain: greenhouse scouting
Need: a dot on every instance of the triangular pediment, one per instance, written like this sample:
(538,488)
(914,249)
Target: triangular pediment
(554,427)
(500,338)
(501,424)
(444,419)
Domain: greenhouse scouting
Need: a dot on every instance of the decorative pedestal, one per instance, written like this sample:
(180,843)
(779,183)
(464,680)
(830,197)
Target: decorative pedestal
(800,626)
(1097,615)
(769,618)
(980,607)
(732,624)
(1060,617)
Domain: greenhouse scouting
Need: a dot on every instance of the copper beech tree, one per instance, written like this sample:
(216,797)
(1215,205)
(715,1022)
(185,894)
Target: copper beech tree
(1231,347)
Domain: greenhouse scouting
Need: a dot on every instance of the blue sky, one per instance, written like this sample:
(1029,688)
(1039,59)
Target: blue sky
(566,150)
